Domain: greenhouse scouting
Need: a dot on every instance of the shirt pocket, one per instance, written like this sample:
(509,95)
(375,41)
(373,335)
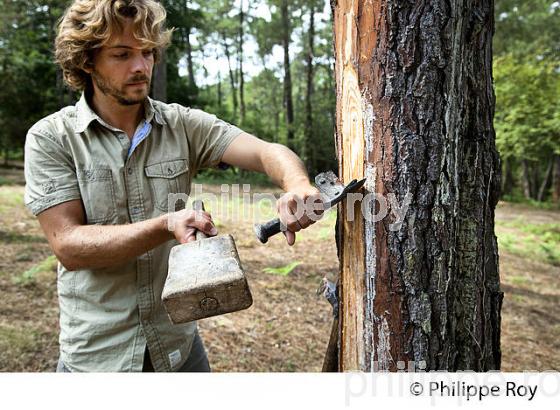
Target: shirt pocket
(98,194)
(166,178)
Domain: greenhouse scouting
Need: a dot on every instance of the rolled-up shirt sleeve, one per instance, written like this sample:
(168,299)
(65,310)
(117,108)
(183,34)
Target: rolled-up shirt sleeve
(50,173)
(208,137)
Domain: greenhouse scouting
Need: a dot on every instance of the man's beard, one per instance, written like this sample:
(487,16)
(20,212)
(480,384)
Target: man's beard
(106,88)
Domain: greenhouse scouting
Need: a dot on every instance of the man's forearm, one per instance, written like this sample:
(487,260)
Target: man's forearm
(285,168)
(99,246)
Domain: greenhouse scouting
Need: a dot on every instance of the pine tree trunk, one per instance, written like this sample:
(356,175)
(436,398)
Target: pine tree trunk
(414,115)
(288,101)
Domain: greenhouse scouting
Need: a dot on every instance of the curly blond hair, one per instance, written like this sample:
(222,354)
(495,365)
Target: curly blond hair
(88,25)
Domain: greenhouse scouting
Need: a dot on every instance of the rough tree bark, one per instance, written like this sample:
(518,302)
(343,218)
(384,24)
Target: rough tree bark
(414,115)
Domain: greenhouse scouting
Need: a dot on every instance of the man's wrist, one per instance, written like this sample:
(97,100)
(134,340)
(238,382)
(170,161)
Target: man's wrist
(301,184)
(165,222)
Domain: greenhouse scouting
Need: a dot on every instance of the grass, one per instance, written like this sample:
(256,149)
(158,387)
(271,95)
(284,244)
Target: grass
(14,237)
(282,270)
(17,338)
(4,181)
(10,198)
(41,271)
(520,199)
(232,176)
(536,241)
(518,280)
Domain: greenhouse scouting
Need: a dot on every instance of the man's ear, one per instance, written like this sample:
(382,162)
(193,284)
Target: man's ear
(89,65)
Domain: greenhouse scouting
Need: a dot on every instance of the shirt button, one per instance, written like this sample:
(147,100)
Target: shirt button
(169,171)
(129,171)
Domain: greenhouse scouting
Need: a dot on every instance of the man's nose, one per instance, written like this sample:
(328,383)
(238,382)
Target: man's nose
(140,64)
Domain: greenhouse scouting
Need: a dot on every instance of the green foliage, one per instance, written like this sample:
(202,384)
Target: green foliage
(527,116)
(42,270)
(527,87)
(282,270)
(535,241)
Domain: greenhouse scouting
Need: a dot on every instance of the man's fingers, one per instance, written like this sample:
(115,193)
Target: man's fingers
(290,237)
(205,226)
(189,236)
(185,230)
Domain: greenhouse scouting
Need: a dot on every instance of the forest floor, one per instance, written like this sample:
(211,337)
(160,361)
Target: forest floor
(288,326)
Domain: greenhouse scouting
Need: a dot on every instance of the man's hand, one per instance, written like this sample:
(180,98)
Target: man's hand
(184,224)
(298,209)
(287,171)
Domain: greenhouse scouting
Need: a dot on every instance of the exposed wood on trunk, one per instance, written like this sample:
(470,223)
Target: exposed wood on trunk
(414,116)
(288,101)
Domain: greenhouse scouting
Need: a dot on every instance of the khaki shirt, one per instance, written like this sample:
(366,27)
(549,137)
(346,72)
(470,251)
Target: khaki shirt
(109,315)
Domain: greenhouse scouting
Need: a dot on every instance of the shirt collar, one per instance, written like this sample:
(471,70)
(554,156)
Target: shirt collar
(85,114)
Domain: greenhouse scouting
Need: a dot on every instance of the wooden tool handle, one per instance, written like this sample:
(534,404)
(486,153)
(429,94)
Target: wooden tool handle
(198,205)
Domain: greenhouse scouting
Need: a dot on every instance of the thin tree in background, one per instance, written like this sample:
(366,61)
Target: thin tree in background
(288,101)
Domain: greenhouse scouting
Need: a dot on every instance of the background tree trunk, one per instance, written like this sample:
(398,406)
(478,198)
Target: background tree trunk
(508,181)
(527,185)
(231,74)
(308,152)
(190,64)
(240,65)
(159,83)
(556,180)
(546,181)
(414,115)
(288,101)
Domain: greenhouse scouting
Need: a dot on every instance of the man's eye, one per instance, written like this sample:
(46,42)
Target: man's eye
(121,55)
(148,52)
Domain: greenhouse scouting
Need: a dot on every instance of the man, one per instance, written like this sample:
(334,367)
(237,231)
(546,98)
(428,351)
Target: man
(98,176)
